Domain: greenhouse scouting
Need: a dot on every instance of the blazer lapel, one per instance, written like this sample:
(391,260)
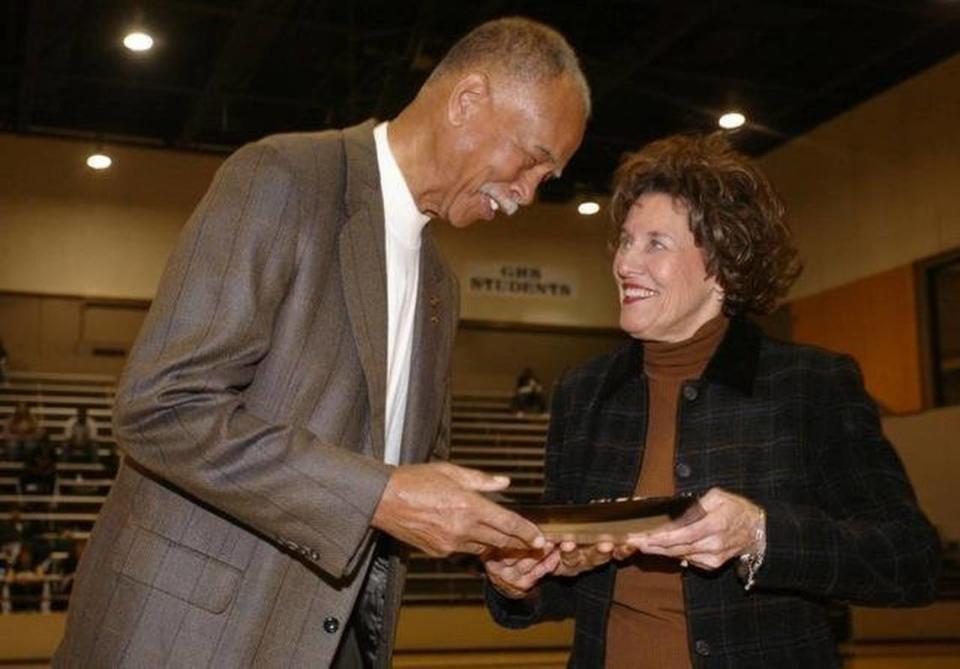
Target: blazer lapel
(432,337)
(363,267)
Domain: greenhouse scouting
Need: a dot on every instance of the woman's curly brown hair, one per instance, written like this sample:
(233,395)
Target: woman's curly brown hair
(735,215)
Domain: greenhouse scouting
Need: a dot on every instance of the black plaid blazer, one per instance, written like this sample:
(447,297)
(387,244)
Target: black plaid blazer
(790,427)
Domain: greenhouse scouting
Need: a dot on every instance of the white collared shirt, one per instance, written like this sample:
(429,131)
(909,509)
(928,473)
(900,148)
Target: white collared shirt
(404,226)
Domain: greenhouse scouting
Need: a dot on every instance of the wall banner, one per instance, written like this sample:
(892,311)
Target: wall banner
(520,280)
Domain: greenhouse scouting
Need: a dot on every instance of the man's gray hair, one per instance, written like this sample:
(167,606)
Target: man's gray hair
(525,50)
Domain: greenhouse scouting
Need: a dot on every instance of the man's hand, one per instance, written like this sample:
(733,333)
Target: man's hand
(728,529)
(436,508)
(515,575)
(575,559)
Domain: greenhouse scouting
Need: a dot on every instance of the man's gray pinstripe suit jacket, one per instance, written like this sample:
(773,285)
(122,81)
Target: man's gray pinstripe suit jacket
(251,415)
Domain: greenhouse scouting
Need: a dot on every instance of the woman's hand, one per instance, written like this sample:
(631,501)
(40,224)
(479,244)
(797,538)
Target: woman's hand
(729,528)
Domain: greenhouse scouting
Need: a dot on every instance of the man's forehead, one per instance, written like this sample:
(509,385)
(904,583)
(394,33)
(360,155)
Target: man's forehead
(559,125)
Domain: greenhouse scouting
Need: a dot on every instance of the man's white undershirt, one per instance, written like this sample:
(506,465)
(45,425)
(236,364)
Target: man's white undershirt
(404,226)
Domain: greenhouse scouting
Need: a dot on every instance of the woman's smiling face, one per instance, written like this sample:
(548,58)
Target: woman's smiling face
(665,293)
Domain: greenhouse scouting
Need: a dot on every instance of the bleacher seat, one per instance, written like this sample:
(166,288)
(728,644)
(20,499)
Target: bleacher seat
(485,435)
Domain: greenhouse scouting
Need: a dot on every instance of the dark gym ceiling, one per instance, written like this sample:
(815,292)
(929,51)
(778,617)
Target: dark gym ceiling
(223,72)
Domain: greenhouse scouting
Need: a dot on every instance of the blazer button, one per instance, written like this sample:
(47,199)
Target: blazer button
(315,555)
(690,392)
(683,470)
(330,625)
(702,647)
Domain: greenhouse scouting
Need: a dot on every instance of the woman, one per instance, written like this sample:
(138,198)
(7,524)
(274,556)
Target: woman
(805,501)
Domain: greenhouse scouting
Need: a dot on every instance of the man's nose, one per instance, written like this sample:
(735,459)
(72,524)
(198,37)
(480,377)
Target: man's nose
(524,188)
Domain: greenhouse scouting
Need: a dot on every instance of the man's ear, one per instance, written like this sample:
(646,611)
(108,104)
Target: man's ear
(469,95)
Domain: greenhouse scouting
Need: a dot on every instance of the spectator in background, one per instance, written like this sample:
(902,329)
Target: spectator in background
(528,396)
(25,580)
(39,469)
(81,442)
(22,433)
(11,538)
(3,362)
(68,567)
(17,529)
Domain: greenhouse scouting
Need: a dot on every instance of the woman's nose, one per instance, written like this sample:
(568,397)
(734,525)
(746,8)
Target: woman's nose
(627,263)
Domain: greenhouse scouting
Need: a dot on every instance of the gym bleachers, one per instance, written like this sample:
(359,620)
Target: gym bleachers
(55,523)
(486,435)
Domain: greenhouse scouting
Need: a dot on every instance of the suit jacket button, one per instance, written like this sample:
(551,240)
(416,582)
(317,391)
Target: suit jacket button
(690,392)
(315,555)
(702,647)
(330,625)
(683,470)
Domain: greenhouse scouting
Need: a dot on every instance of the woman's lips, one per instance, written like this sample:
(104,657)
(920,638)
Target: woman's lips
(633,293)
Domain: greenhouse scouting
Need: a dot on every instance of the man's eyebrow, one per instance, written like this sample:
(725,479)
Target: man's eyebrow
(545,152)
(549,157)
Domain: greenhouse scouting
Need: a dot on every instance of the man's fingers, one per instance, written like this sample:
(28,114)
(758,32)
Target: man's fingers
(520,578)
(474,479)
(506,531)
(550,563)
(512,527)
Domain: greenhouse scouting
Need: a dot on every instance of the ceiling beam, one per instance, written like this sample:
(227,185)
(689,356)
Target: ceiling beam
(153,87)
(402,62)
(36,11)
(678,22)
(238,59)
(855,73)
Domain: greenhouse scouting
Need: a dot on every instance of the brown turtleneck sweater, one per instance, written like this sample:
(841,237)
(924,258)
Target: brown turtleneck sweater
(648,626)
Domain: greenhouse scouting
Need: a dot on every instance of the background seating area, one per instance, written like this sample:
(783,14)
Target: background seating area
(46,525)
(42,536)
(48,503)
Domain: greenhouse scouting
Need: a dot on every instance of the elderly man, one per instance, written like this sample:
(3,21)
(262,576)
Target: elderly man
(294,370)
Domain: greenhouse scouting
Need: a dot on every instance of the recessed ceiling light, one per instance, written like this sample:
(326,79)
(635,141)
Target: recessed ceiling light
(588,208)
(137,41)
(732,120)
(99,161)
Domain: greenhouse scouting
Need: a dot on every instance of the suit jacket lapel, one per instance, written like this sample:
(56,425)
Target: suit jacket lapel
(432,337)
(363,267)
